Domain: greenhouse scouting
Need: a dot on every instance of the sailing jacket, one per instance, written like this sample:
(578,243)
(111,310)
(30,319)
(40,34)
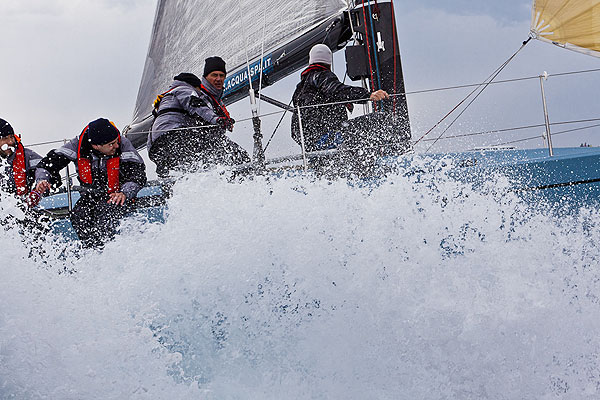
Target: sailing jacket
(184,106)
(318,85)
(20,167)
(131,168)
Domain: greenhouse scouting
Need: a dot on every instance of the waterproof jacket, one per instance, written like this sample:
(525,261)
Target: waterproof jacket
(7,177)
(184,106)
(318,85)
(132,171)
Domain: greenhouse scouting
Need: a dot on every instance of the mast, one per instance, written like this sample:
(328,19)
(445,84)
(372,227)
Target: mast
(377,59)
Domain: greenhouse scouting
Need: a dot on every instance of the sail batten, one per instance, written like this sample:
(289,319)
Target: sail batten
(186,32)
(571,24)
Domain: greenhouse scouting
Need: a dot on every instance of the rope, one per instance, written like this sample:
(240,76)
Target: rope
(394,34)
(367,42)
(374,46)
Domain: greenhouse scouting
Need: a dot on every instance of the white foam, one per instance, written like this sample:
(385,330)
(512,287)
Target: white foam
(300,288)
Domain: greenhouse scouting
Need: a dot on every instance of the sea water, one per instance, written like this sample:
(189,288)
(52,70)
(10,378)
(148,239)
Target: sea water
(413,287)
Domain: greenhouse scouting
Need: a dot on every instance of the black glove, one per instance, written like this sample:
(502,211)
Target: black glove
(226,123)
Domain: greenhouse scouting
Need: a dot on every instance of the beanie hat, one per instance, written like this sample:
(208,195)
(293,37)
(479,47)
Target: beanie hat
(102,131)
(5,129)
(214,64)
(190,78)
(320,54)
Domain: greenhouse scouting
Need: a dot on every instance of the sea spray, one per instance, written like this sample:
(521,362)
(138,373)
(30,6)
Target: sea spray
(417,286)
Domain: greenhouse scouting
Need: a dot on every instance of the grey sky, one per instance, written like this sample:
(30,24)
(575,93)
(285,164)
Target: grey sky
(66,62)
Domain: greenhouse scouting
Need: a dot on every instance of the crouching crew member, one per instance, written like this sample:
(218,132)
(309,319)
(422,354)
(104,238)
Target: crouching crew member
(19,174)
(178,140)
(322,125)
(110,171)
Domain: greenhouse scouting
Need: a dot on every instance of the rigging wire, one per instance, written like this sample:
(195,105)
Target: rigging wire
(366,40)
(485,85)
(366,99)
(553,134)
(504,130)
(246,40)
(495,131)
(277,127)
(262,55)
(395,36)
(375,55)
(497,145)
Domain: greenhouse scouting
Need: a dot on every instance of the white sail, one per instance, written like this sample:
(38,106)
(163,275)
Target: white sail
(186,32)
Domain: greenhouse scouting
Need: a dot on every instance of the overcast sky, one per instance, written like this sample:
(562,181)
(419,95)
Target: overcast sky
(64,63)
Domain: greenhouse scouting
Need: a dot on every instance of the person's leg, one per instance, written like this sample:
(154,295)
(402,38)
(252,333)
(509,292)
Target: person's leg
(167,152)
(95,221)
(108,217)
(82,220)
(232,153)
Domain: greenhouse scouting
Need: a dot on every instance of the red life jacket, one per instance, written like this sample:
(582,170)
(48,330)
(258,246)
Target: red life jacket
(19,168)
(84,166)
(222,110)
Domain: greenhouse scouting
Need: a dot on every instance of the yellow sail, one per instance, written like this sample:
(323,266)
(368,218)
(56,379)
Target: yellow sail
(572,24)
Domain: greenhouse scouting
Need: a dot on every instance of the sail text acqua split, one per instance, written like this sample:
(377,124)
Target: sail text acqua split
(240,78)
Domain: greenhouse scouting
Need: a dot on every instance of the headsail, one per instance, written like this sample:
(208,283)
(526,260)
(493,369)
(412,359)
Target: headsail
(186,32)
(572,24)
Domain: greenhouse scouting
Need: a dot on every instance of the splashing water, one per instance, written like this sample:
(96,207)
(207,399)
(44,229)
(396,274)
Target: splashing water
(301,288)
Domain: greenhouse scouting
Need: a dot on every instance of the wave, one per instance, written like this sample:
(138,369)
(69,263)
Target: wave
(296,287)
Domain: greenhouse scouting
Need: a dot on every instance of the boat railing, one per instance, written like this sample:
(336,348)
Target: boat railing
(305,156)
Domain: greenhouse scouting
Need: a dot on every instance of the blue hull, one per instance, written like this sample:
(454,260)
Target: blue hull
(568,180)
(571,177)
(62,224)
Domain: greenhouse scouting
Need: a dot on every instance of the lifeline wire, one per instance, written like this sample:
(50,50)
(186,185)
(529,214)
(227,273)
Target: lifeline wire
(365,100)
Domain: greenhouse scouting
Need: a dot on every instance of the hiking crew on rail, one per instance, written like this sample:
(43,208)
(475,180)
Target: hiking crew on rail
(191,122)
(19,173)
(110,171)
(322,125)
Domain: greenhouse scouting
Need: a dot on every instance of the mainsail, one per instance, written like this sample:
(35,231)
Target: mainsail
(572,24)
(186,32)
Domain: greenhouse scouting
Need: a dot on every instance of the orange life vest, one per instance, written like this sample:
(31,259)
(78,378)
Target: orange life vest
(84,166)
(19,168)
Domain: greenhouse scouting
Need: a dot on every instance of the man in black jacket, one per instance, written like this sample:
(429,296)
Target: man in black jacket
(322,125)
(111,172)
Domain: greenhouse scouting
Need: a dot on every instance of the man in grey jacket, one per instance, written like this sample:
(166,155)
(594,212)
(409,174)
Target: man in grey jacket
(191,120)
(111,172)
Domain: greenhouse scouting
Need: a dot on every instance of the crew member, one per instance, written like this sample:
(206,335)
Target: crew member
(322,125)
(19,173)
(110,171)
(191,120)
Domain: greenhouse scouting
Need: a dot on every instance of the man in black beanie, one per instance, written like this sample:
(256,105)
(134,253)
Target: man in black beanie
(19,173)
(110,171)
(191,121)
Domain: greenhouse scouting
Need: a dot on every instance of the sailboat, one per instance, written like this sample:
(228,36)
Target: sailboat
(263,43)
